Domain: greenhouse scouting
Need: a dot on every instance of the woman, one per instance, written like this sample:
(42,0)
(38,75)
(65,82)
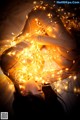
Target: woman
(52,35)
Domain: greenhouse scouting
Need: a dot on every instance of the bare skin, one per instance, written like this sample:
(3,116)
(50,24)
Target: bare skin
(62,40)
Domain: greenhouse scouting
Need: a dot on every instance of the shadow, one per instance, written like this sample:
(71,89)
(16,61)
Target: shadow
(36,107)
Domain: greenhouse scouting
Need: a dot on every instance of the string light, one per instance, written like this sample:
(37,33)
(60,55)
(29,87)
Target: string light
(34,2)
(12,33)
(67,69)
(49,15)
(70,76)
(75,77)
(32,61)
(66,87)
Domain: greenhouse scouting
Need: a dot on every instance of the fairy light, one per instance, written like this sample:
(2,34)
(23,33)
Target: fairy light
(62,9)
(40,7)
(51,21)
(59,90)
(49,29)
(70,76)
(66,87)
(24,61)
(78,90)
(9,53)
(36,19)
(43,81)
(73,61)
(61,71)
(12,33)
(67,51)
(67,69)
(64,13)
(34,65)
(75,90)
(11,87)
(13,53)
(74,77)
(58,9)
(26,16)
(49,15)
(35,8)
(52,75)
(34,2)
(22,88)
(13,43)
(41,2)
(54,36)
(44,8)
(46,5)
(59,78)
(54,5)
(51,8)
(55,22)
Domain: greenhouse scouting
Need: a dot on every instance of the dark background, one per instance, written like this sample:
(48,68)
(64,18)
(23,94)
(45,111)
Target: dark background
(35,105)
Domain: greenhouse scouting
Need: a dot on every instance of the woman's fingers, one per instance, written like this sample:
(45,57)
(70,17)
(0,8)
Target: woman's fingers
(62,58)
(51,25)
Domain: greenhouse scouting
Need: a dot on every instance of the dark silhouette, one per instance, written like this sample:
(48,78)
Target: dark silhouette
(35,107)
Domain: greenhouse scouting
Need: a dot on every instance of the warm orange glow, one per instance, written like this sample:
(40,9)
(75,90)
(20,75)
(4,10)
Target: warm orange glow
(49,15)
(37,63)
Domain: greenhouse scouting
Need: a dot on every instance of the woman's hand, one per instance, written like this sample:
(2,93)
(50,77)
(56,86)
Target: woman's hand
(32,87)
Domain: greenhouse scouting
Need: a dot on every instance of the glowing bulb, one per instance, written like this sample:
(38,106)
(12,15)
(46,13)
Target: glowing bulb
(75,77)
(44,8)
(41,2)
(36,19)
(11,87)
(26,16)
(62,9)
(24,69)
(49,15)
(21,87)
(12,33)
(60,71)
(35,8)
(52,75)
(13,43)
(46,5)
(40,6)
(49,29)
(34,2)
(70,76)
(9,53)
(43,81)
(59,78)
(36,78)
(24,61)
(73,61)
(58,9)
(58,90)
(13,53)
(67,51)
(67,69)
(66,87)
(54,36)
(75,90)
